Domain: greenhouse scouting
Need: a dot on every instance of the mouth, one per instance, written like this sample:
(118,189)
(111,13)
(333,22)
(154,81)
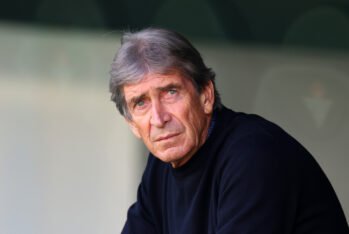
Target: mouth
(166,137)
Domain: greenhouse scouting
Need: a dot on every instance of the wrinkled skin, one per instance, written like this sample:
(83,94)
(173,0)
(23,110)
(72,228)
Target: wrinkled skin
(169,115)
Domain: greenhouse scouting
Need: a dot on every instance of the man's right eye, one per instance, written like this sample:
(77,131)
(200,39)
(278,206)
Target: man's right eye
(140,103)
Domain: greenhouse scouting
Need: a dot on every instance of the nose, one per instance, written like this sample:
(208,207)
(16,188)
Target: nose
(159,115)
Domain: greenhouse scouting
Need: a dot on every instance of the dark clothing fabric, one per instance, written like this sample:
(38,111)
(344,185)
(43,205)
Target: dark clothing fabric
(250,177)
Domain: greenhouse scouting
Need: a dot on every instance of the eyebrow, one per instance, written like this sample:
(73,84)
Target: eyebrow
(137,98)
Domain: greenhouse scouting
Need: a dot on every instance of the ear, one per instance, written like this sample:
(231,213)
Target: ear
(207,98)
(133,127)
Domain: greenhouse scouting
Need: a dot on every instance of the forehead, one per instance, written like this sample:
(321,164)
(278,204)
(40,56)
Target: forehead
(154,82)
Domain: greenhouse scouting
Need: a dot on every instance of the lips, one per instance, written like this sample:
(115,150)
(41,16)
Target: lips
(166,137)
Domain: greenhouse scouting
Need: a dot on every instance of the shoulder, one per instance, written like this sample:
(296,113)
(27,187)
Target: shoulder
(243,131)
(252,133)
(256,149)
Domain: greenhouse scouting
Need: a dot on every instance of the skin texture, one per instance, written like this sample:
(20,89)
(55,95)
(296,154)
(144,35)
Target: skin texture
(169,115)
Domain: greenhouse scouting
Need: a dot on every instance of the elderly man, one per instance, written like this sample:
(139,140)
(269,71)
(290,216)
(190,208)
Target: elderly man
(210,169)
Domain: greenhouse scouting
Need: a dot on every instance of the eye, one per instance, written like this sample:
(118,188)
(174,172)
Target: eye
(172,91)
(139,103)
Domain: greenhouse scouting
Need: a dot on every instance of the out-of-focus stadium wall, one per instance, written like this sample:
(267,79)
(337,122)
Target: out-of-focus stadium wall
(69,164)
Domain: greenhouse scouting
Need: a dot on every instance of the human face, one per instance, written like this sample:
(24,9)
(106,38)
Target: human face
(169,115)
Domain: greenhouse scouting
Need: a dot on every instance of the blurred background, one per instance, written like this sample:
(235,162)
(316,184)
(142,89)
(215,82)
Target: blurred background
(68,162)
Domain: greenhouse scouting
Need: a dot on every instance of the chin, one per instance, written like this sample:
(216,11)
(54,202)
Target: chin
(173,156)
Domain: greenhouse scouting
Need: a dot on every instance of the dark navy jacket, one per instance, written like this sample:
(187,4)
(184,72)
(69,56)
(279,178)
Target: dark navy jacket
(250,177)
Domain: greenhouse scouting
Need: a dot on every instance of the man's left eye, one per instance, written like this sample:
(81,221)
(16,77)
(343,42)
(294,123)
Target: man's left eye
(172,91)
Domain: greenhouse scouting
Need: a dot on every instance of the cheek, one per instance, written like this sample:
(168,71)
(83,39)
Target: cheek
(143,129)
(197,123)
(193,126)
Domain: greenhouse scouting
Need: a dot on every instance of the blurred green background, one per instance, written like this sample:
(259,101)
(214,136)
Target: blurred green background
(68,162)
(315,23)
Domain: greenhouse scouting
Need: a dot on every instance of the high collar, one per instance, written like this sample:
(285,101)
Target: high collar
(216,133)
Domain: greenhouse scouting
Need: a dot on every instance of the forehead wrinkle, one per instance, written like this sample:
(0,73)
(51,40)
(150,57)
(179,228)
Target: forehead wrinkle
(132,93)
(163,82)
(169,86)
(158,88)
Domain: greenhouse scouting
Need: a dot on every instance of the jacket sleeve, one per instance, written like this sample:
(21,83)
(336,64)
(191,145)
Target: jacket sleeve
(258,189)
(139,220)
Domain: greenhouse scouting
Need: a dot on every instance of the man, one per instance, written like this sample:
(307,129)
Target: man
(210,169)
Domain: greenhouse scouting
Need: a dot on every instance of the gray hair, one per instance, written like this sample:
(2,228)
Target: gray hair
(157,51)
